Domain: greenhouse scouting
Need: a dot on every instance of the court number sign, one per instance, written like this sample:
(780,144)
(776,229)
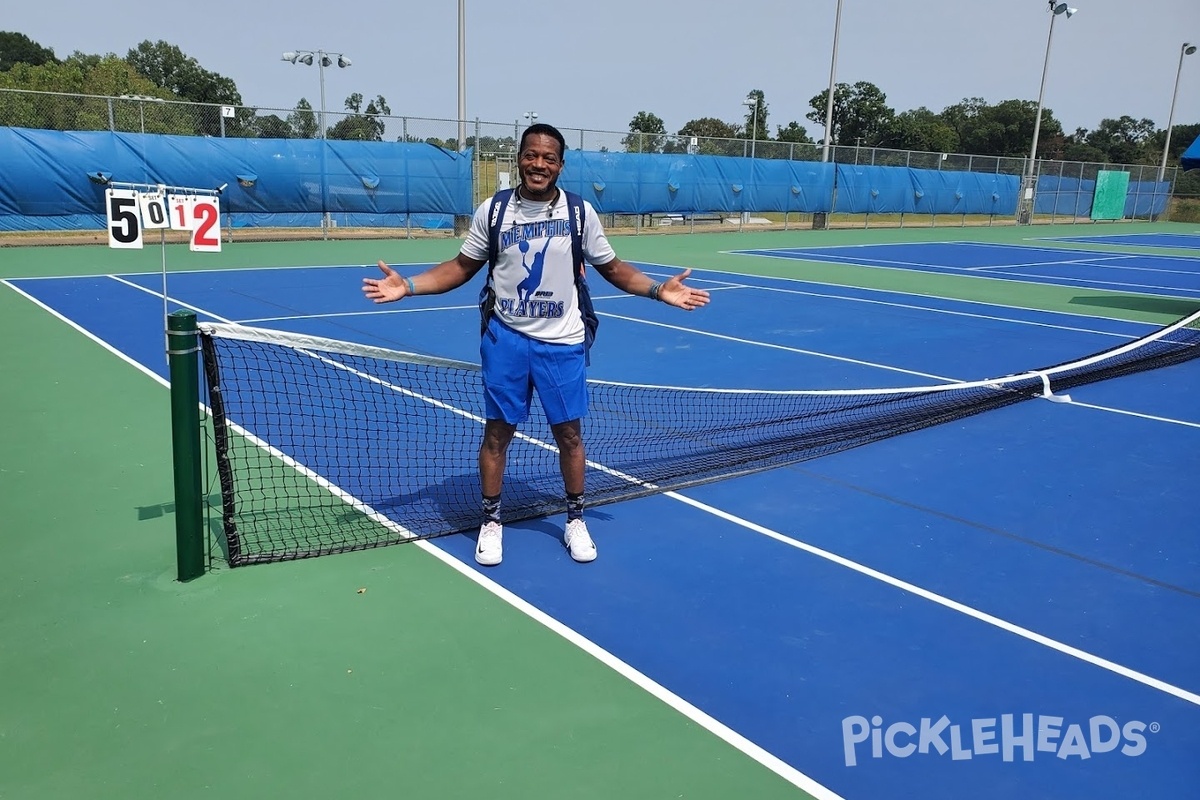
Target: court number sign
(129,213)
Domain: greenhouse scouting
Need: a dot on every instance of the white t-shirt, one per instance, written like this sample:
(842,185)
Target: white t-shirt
(534,283)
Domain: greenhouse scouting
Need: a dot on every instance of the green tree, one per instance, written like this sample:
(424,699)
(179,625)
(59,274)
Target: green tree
(861,114)
(1005,129)
(794,132)
(363,125)
(921,129)
(1076,148)
(270,127)
(647,134)
(169,68)
(755,126)
(103,79)
(17,48)
(1182,137)
(489,147)
(1126,141)
(303,121)
(717,138)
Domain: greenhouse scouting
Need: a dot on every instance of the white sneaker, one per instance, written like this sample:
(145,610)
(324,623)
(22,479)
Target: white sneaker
(579,542)
(489,548)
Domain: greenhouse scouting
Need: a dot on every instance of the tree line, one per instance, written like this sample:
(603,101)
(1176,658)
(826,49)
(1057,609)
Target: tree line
(861,116)
(163,90)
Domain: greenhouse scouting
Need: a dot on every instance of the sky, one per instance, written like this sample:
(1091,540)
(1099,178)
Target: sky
(596,65)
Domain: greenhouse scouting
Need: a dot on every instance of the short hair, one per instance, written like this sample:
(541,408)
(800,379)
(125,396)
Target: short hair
(545,130)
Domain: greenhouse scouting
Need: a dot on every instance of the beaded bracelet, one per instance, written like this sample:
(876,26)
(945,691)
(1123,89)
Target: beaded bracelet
(654,290)
(411,289)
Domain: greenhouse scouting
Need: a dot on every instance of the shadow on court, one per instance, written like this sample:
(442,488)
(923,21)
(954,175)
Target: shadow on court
(1140,302)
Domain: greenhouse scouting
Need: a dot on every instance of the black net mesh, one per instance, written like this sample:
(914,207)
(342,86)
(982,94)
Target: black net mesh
(326,447)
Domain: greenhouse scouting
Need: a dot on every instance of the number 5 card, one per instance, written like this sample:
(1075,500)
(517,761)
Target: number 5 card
(124,226)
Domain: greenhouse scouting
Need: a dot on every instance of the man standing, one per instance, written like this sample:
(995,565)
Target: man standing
(535,335)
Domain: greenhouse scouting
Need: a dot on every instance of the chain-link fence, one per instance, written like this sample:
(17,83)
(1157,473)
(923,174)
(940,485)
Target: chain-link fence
(494,148)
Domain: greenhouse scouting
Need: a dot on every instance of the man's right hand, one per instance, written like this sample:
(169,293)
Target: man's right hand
(388,289)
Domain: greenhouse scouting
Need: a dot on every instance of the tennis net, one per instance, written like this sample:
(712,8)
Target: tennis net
(325,446)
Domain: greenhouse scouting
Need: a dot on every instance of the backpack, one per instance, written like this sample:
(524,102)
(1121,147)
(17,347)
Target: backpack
(575,212)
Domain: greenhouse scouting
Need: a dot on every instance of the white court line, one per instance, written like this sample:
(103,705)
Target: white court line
(946,311)
(728,735)
(1097,263)
(965,272)
(366,312)
(1089,261)
(634,676)
(771,346)
(946,602)
(217,271)
(658,691)
(755,343)
(1089,282)
(935,297)
(1060,399)
(732,338)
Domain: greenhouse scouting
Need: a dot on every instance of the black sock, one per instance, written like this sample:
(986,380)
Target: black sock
(491,508)
(574,506)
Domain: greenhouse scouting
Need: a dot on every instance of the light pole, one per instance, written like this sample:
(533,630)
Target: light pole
(530,117)
(752,102)
(1187,49)
(837,25)
(323,59)
(462,77)
(1025,202)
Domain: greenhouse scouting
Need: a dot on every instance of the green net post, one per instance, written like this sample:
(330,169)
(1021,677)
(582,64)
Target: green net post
(182,349)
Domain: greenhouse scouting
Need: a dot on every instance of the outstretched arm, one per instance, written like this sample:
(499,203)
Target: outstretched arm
(673,291)
(435,280)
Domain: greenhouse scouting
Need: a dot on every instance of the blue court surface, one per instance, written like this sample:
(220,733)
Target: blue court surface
(1167,275)
(1002,606)
(1189,241)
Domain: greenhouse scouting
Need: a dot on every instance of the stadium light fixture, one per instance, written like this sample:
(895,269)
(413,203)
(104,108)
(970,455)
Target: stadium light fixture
(530,118)
(142,99)
(1187,49)
(1025,201)
(324,59)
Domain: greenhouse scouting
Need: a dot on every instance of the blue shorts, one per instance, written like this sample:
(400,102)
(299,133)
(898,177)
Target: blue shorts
(514,365)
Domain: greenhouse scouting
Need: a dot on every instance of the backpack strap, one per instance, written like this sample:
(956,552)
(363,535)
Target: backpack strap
(495,220)
(487,294)
(576,211)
